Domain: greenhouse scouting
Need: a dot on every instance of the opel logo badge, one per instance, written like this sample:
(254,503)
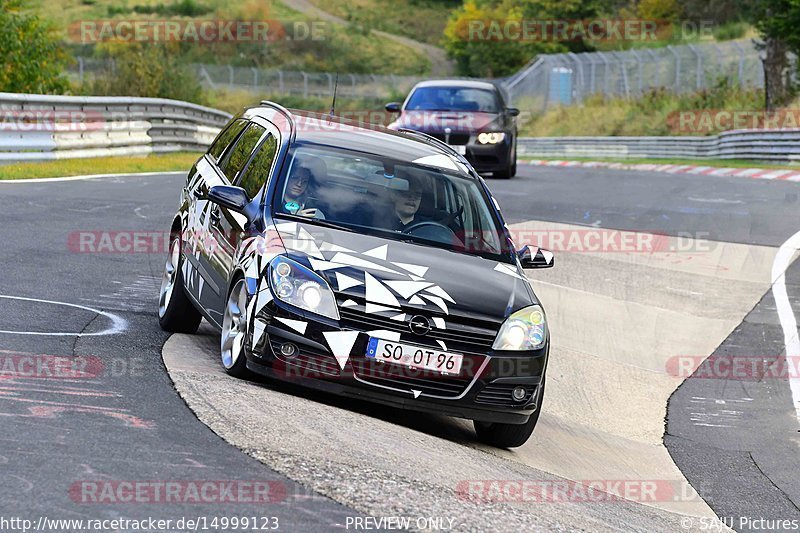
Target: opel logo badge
(419,325)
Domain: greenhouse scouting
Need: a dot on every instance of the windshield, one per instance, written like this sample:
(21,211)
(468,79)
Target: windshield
(423,201)
(453,99)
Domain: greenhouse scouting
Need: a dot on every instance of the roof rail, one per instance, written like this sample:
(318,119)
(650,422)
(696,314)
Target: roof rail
(433,141)
(282,110)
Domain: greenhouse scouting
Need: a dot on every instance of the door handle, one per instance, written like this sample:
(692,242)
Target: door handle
(198,194)
(214,214)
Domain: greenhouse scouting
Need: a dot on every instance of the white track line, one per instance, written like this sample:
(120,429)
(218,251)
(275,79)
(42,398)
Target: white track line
(788,322)
(96,176)
(118,324)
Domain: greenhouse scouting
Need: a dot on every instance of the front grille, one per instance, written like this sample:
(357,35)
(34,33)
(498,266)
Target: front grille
(478,336)
(500,394)
(312,364)
(454,139)
(400,377)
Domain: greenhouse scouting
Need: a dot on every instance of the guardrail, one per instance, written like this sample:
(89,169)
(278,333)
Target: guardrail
(41,127)
(776,145)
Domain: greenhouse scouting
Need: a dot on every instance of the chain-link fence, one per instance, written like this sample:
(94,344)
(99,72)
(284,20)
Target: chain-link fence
(557,79)
(564,79)
(277,82)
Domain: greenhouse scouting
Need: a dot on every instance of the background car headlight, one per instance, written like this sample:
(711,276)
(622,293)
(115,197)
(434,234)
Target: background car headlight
(299,286)
(492,137)
(524,330)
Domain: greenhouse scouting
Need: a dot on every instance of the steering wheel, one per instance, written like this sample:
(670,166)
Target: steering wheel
(449,219)
(434,231)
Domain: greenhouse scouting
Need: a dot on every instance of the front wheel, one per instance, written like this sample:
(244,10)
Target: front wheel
(233,343)
(176,313)
(509,435)
(511,170)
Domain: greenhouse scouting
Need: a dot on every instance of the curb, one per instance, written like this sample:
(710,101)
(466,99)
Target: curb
(756,173)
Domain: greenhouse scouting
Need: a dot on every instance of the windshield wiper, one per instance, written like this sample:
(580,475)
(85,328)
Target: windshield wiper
(314,221)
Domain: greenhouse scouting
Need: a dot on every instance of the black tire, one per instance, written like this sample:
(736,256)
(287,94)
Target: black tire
(509,435)
(176,313)
(236,365)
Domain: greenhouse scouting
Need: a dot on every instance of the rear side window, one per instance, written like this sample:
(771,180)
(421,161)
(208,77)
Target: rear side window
(237,157)
(225,138)
(258,171)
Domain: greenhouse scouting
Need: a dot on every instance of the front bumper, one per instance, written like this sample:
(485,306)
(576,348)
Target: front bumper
(489,157)
(482,391)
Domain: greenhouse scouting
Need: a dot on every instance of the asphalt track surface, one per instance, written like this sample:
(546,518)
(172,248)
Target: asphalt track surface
(127,422)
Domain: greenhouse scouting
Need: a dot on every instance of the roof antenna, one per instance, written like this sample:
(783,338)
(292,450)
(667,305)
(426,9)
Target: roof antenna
(333,104)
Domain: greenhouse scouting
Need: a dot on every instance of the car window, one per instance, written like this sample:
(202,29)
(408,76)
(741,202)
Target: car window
(258,171)
(225,138)
(453,99)
(395,199)
(237,158)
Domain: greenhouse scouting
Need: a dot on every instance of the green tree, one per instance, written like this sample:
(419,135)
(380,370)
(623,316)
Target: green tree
(137,69)
(31,58)
(778,22)
(480,39)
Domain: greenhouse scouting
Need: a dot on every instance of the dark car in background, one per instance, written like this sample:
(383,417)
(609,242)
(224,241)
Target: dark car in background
(470,116)
(360,261)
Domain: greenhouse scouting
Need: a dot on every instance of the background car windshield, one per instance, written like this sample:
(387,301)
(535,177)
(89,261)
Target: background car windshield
(453,99)
(395,199)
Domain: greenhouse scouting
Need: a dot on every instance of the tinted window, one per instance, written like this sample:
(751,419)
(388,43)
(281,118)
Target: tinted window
(430,200)
(225,138)
(238,157)
(453,99)
(258,171)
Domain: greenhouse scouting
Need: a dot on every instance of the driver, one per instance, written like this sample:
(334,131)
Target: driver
(406,205)
(307,172)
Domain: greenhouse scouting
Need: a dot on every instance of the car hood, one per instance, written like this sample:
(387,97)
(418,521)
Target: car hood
(457,121)
(395,276)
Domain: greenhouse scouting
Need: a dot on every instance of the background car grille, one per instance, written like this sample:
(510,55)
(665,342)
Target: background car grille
(455,138)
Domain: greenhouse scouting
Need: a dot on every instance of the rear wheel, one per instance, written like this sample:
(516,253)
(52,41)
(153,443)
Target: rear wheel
(509,435)
(176,313)
(233,343)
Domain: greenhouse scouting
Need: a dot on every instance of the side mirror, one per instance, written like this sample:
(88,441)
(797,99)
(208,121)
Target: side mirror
(512,111)
(393,107)
(533,257)
(233,198)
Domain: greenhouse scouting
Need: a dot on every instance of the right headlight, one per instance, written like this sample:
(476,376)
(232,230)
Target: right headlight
(299,286)
(524,330)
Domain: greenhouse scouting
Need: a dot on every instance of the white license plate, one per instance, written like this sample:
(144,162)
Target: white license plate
(460,148)
(420,357)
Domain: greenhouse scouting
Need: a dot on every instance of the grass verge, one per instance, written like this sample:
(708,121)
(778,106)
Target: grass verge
(100,165)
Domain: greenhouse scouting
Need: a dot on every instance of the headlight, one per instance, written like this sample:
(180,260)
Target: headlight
(296,285)
(492,137)
(524,330)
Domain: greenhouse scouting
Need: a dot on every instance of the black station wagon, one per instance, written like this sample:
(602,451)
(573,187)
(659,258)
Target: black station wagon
(361,261)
